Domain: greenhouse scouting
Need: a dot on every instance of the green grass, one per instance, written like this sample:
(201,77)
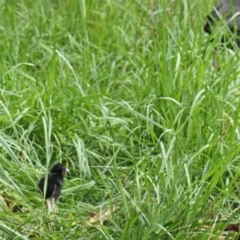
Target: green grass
(137,102)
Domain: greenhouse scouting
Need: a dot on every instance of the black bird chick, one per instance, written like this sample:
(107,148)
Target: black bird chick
(226,12)
(54,181)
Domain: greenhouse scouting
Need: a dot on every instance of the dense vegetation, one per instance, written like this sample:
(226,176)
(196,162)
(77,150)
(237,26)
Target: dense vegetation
(139,104)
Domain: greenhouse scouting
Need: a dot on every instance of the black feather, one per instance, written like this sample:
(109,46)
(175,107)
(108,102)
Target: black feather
(55,181)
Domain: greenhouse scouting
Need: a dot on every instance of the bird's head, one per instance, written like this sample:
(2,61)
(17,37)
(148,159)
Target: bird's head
(59,168)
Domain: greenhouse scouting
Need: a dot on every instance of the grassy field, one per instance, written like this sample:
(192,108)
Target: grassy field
(134,98)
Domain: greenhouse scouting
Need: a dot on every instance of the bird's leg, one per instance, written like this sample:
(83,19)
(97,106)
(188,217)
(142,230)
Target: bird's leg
(48,206)
(52,203)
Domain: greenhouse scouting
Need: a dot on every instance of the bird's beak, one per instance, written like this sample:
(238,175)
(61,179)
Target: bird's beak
(67,170)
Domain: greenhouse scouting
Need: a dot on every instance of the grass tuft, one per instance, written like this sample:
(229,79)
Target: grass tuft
(139,104)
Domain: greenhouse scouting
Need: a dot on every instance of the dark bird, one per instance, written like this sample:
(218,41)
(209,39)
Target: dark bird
(226,12)
(54,182)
